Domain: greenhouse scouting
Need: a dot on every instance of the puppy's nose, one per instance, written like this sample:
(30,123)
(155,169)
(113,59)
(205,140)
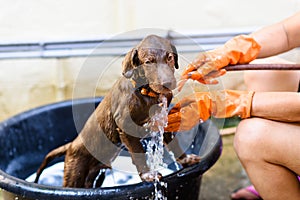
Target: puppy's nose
(170,85)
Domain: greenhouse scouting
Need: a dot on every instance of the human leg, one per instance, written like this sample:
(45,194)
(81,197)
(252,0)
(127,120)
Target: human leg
(264,81)
(269,151)
(268,81)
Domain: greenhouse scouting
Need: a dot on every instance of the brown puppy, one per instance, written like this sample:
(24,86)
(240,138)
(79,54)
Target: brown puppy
(148,71)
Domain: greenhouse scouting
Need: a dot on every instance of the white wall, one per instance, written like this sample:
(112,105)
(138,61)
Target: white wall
(67,19)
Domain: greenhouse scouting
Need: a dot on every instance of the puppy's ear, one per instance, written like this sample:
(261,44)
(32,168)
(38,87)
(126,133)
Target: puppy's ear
(129,63)
(175,56)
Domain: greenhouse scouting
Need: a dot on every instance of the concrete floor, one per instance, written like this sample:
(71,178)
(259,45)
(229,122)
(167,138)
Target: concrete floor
(225,176)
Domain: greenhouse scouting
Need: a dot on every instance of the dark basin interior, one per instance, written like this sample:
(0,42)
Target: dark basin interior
(26,138)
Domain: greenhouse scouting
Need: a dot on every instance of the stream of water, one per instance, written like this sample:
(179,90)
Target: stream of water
(155,146)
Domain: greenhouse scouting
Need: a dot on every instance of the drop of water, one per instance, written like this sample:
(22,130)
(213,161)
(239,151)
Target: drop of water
(51,138)
(40,147)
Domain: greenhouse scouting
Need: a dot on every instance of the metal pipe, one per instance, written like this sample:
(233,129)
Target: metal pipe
(263,67)
(112,46)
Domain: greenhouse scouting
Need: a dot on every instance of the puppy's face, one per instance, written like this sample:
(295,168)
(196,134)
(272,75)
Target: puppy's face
(152,63)
(158,68)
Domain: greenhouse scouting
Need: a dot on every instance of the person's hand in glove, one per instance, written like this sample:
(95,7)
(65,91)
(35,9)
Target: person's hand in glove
(201,105)
(207,66)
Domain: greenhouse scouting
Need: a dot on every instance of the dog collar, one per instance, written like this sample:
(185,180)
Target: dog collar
(145,91)
(149,93)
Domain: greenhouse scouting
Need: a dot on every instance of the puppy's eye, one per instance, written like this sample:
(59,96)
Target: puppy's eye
(170,57)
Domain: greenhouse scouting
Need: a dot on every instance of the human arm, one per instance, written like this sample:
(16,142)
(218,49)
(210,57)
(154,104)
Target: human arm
(199,106)
(268,41)
(280,106)
(279,37)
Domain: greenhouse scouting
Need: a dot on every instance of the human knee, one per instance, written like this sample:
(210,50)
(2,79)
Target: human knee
(250,137)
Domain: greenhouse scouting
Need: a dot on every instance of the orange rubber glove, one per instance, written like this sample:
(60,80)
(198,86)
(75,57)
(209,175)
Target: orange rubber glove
(201,105)
(241,49)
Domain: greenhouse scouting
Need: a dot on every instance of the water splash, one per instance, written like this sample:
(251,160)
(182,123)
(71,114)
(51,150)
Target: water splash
(155,146)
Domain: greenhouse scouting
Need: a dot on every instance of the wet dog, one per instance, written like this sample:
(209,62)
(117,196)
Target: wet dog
(148,76)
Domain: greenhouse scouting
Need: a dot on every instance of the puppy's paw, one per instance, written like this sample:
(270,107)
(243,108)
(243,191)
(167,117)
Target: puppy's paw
(150,176)
(188,160)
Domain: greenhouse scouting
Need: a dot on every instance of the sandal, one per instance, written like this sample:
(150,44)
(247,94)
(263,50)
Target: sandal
(245,193)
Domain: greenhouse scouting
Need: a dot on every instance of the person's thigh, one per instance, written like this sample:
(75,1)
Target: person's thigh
(272,80)
(269,151)
(275,142)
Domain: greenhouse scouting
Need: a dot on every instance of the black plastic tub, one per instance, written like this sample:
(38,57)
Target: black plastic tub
(26,138)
